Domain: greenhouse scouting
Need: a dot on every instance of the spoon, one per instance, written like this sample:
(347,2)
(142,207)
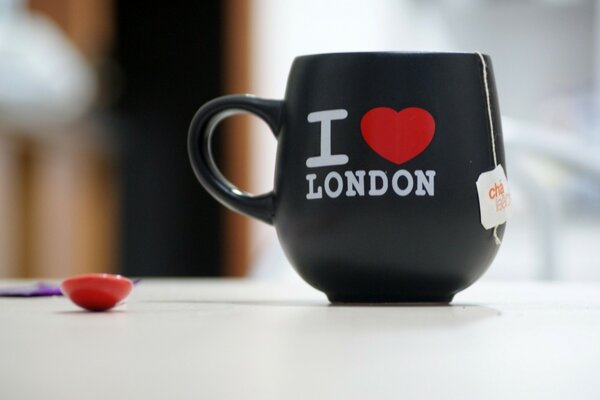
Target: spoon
(96,292)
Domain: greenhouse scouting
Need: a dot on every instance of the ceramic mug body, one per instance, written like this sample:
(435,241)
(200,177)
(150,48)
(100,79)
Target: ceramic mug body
(374,196)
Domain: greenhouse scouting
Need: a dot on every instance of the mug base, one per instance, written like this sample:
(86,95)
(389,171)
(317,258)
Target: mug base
(401,299)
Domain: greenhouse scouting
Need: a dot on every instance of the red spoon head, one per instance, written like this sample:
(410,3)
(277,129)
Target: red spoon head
(96,292)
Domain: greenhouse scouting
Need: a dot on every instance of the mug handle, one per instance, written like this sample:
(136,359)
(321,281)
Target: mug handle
(201,156)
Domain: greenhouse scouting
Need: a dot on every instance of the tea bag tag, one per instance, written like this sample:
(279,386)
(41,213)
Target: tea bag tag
(492,186)
(494,197)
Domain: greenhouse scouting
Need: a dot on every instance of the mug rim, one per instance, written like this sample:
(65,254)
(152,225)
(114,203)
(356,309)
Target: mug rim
(393,53)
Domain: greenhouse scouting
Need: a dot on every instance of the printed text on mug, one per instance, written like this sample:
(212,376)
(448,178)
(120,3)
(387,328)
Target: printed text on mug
(360,182)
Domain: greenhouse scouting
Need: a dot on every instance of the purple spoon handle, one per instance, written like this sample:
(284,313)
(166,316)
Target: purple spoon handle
(38,290)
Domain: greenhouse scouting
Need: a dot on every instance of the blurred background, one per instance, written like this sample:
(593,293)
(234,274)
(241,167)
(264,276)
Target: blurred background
(96,97)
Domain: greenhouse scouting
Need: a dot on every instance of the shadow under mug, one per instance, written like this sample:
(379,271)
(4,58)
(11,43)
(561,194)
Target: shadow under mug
(374,198)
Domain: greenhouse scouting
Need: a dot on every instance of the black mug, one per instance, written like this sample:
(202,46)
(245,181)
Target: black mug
(374,198)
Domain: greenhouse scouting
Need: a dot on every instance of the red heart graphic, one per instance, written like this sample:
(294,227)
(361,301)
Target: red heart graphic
(398,136)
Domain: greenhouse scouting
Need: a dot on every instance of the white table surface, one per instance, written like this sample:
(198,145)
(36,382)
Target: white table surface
(217,339)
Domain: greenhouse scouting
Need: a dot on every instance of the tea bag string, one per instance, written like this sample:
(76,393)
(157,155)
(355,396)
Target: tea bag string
(492,134)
